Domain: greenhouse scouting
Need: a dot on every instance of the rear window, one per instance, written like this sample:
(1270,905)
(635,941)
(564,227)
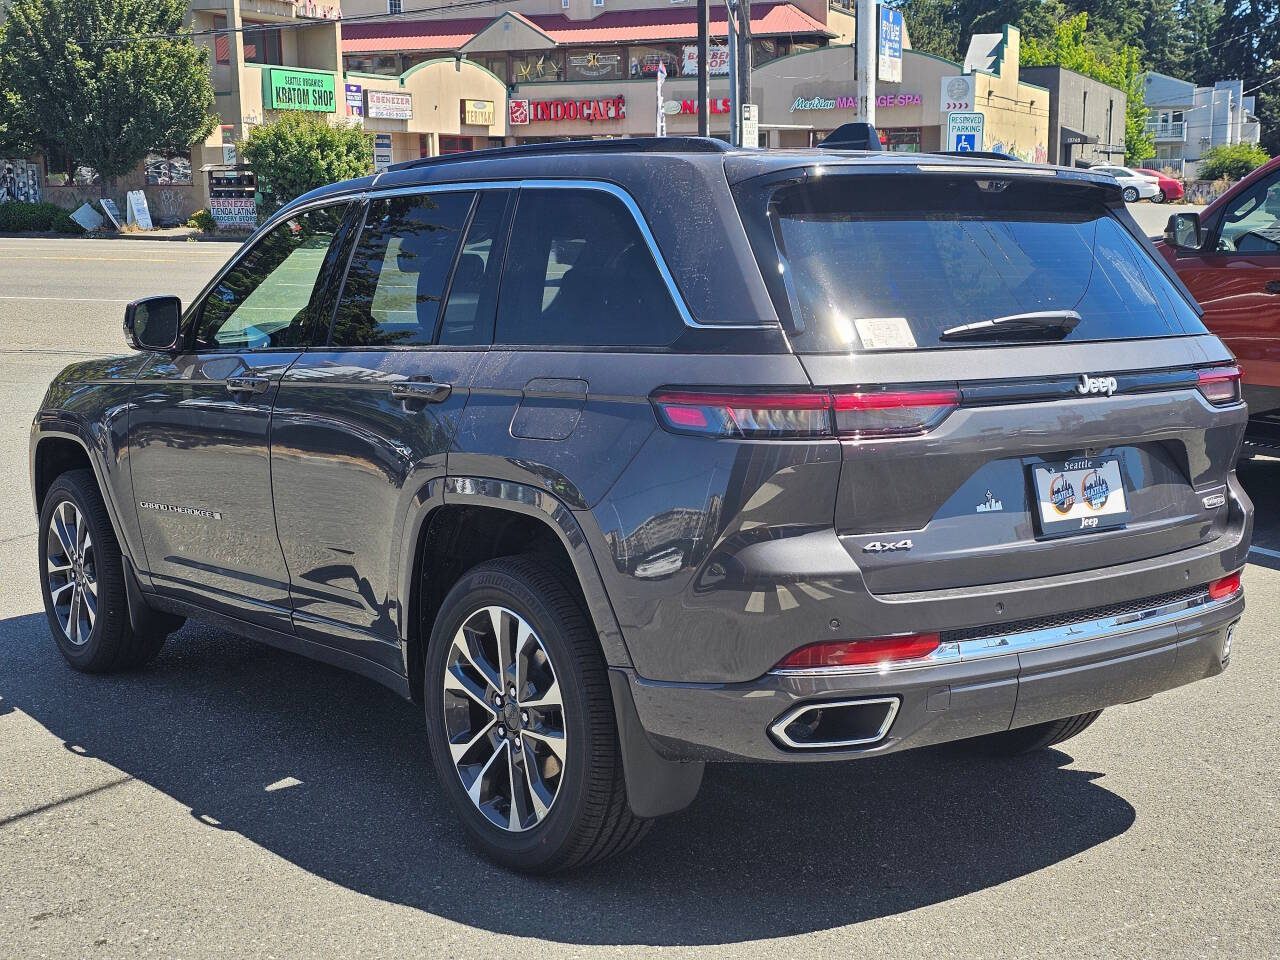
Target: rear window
(898,263)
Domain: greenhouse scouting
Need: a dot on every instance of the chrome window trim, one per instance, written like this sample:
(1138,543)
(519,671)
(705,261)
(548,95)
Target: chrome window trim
(779,727)
(981,648)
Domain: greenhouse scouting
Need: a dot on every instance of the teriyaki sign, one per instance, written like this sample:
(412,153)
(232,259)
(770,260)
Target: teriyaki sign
(299,90)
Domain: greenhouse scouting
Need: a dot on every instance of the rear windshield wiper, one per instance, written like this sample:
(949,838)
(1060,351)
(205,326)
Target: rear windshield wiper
(1044,325)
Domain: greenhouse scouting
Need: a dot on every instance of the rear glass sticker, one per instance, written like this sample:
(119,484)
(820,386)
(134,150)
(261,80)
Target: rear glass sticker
(885,333)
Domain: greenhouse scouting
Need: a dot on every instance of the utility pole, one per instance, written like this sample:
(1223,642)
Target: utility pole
(704,28)
(744,59)
(731,8)
(865,61)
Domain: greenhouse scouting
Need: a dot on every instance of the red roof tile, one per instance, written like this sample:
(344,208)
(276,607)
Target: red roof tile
(628,26)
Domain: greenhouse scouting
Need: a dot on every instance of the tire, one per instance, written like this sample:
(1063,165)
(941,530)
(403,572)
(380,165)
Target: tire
(99,639)
(1012,743)
(1130,194)
(1159,197)
(587,817)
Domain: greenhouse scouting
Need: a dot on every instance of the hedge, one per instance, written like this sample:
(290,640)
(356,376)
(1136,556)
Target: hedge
(18,217)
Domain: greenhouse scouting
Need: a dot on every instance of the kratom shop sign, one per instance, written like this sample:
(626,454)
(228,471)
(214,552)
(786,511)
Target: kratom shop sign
(299,90)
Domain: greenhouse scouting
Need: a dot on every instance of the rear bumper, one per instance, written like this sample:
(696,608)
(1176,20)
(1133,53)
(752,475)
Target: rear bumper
(979,687)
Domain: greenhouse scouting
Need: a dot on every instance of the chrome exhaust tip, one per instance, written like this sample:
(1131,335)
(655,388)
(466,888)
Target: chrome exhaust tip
(836,724)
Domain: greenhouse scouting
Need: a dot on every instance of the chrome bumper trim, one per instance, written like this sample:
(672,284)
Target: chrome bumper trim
(980,648)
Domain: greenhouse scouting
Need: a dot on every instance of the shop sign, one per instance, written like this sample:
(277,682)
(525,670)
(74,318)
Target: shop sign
(234,213)
(355,100)
(892,100)
(750,125)
(138,214)
(717,61)
(957,93)
(389,106)
(824,103)
(381,152)
(298,90)
(890,69)
(517,112)
(595,65)
(542,111)
(478,112)
(964,130)
(686,107)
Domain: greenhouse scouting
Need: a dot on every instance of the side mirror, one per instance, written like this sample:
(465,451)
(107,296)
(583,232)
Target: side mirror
(1184,232)
(153,323)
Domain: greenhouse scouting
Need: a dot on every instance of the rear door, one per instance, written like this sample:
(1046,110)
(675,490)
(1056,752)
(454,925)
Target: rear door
(365,421)
(200,423)
(1066,436)
(1236,278)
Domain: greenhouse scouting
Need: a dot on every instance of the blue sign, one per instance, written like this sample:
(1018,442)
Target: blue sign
(966,142)
(890,68)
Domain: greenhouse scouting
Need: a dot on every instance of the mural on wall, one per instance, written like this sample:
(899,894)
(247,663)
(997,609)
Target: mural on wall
(1036,154)
(20,181)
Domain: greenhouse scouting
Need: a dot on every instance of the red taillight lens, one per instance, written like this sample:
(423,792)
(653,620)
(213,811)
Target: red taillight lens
(854,653)
(1225,587)
(746,416)
(901,413)
(1221,385)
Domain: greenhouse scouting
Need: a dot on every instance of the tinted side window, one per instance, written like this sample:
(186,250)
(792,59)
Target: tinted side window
(399,270)
(265,299)
(579,273)
(468,317)
(1252,222)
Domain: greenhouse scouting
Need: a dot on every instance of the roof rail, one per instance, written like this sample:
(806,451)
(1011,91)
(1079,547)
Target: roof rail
(617,145)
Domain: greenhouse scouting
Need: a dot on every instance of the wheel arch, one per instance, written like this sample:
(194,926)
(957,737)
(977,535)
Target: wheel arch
(54,452)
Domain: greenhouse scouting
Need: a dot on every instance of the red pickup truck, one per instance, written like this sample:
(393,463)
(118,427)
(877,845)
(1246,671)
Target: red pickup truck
(1228,255)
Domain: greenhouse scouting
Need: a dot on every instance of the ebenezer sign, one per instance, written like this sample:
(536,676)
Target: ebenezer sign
(299,90)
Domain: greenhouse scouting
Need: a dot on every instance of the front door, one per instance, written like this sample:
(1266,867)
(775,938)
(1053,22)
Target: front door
(1236,278)
(201,419)
(363,425)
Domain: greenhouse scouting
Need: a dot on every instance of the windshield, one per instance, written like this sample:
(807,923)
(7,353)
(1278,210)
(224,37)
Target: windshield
(891,263)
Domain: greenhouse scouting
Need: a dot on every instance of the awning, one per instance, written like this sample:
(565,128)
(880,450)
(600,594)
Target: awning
(1075,136)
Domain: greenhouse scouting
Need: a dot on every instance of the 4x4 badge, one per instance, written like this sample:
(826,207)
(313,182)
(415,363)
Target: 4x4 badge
(885,546)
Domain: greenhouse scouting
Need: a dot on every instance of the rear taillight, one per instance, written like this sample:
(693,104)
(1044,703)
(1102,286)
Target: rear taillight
(902,413)
(750,416)
(1220,385)
(783,416)
(857,653)
(1226,587)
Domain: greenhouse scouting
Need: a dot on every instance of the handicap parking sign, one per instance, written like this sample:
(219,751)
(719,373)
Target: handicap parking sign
(964,130)
(966,142)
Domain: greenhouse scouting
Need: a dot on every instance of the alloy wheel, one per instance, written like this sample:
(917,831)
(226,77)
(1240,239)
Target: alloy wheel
(71,572)
(504,718)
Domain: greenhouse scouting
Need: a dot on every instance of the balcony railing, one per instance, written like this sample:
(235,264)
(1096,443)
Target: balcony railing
(1172,130)
(1174,166)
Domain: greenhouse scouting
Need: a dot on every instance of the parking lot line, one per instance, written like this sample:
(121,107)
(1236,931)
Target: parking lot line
(1266,552)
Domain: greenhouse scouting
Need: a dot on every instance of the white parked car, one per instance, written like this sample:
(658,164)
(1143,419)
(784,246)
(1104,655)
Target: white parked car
(1134,186)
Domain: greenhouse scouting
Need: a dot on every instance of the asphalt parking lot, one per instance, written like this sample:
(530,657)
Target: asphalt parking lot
(236,801)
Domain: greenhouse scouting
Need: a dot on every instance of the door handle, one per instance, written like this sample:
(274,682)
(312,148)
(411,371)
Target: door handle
(248,384)
(1273,286)
(424,391)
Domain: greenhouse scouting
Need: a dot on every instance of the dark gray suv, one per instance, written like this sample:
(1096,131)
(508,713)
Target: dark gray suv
(627,456)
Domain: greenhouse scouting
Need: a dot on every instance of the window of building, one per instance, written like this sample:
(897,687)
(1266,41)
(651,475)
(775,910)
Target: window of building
(473,294)
(398,271)
(643,61)
(495,63)
(381,64)
(261,44)
(395,6)
(764,50)
(579,273)
(168,168)
(597,3)
(221,41)
(539,67)
(450,144)
(602,63)
(263,300)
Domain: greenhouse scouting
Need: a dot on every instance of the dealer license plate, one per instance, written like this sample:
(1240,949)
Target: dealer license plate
(1080,495)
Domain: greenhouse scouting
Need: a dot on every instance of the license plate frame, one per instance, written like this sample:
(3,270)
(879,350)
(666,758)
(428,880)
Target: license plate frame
(1079,495)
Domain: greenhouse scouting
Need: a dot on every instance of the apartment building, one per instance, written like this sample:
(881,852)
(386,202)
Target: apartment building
(1186,120)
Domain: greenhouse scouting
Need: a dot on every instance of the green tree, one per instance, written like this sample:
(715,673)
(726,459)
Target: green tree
(302,151)
(1233,161)
(1074,46)
(90,82)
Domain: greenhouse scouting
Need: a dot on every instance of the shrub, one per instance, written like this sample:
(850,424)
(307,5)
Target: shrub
(302,151)
(36,218)
(1233,161)
(203,221)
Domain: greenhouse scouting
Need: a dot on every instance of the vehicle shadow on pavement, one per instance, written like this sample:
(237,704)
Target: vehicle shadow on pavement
(766,851)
